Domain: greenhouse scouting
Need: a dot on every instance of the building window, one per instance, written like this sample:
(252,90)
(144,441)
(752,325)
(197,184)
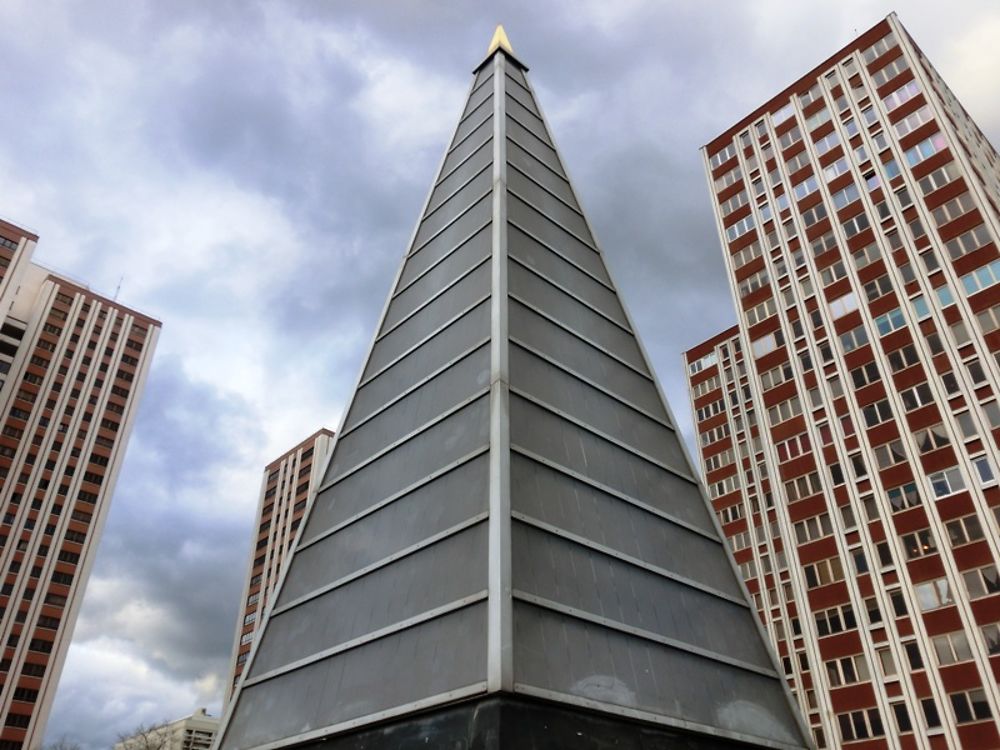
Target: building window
(918,544)
(931,717)
(835,620)
(902,716)
(931,438)
(965,243)
(933,594)
(891,321)
(982,581)
(984,469)
(847,670)
(970,705)
(860,725)
(823,572)
(964,530)
(877,412)
(991,634)
(853,339)
(926,148)
(946,482)
(951,647)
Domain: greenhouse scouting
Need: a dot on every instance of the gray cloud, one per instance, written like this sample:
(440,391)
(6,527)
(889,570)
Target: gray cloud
(254,171)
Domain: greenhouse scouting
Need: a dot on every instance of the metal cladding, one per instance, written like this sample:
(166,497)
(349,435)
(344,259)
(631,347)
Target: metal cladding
(508,508)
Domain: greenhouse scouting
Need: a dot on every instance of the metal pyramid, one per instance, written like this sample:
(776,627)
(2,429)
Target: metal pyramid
(508,510)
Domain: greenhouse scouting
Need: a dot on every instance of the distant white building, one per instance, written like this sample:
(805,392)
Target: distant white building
(194,732)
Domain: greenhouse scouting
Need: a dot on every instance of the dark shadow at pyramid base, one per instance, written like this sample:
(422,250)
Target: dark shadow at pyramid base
(514,723)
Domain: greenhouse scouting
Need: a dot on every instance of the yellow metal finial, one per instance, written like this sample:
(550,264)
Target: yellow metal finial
(499,41)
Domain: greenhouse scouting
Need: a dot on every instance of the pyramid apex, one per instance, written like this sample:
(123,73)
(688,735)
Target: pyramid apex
(499,41)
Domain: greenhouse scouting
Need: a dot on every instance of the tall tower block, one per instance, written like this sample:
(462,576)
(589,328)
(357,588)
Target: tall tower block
(509,547)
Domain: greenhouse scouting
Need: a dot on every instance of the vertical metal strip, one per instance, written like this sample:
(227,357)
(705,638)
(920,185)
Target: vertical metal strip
(500,658)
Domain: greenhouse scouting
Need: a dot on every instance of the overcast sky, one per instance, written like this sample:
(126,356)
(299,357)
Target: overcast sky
(251,173)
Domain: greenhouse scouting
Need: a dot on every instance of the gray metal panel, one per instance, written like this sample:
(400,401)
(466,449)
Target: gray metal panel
(552,265)
(464,149)
(473,120)
(515,72)
(558,500)
(429,578)
(453,265)
(457,435)
(545,434)
(536,291)
(428,660)
(539,148)
(546,231)
(446,306)
(623,670)
(556,569)
(469,375)
(547,203)
(480,159)
(561,390)
(481,93)
(532,329)
(529,119)
(461,336)
(472,227)
(552,181)
(453,207)
(485,75)
(517,90)
(413,518)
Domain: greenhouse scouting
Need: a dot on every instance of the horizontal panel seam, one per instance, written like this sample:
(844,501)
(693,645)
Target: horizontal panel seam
(534,135)
(454,193)
(540,162)
(579,336)
(461,314)
(593,384)
(436,296)
(558,223)
(600,433)
(476,688)
(445,175)
(618,494)
(572,294)
(408,490)
(633,561)
(565,257)
(649,635)
(461,214)
(540,186)
(461,243)
(370,637)
(468,135)
(383,562)
(416,386)
(479,393)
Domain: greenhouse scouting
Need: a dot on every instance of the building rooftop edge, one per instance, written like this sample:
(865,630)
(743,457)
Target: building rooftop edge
(65,280)
(723,335)
(321,431)
(16,228)
(783,95)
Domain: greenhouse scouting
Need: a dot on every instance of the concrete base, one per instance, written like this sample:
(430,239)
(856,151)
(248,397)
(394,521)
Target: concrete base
(512,723)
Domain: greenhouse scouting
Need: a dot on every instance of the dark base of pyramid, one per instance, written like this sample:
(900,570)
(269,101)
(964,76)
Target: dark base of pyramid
(513,723)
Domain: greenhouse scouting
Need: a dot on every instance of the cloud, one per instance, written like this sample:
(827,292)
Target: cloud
(253,170)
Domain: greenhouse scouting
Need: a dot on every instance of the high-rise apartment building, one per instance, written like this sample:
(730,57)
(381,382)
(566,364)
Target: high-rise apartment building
(194,732)
(284,492)
(72,369)
(848,425)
